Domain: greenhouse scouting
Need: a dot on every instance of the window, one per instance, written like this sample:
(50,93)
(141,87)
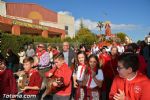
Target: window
(66,29)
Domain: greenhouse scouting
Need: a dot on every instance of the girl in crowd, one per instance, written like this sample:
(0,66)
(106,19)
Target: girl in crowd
(93,79)
(104,57)
(78,75)
(110,70)
(49,49)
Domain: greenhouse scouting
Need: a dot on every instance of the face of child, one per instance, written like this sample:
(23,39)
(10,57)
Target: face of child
(58,62)
(114,51)
(92,62)
(2,66)
(123,72)
(27,66)
(104,51)
(81,58)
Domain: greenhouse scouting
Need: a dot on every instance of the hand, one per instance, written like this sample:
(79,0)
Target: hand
(19,73)
(73,60)
(55,84)
(119,96)
(25,88)
(75,84)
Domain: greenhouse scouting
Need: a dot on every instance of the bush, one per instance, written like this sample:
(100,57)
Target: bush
(13,42)
(16,42)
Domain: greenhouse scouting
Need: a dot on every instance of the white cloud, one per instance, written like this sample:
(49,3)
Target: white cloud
(87,23)
(92,25)
(123,26)
(65,12)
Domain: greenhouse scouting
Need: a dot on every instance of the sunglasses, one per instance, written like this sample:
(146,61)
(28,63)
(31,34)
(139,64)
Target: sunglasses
(40,47)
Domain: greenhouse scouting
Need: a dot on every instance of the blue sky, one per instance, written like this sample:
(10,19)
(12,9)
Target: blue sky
(129,16)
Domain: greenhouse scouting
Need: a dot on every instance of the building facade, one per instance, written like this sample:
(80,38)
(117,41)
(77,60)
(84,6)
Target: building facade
(33,19)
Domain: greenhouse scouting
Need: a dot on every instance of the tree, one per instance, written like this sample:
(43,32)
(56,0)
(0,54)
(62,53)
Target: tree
(85,36)
(121,36)
(81,24)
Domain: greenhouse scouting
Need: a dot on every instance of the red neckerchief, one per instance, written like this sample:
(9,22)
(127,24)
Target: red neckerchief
(83,67)
(90,73)
(41,53)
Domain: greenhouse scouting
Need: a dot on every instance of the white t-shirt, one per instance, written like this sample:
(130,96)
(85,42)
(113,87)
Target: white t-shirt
(99,76)
(120,49)
(79,74)
(66,56)
(94,50)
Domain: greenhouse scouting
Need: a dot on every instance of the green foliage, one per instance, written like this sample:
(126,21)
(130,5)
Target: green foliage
(16,42)
(121,36)
(81,24)
(85,36)
(13,42)
(46,40)
(138,42)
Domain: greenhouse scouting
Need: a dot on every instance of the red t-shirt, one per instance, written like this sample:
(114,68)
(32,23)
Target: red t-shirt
(34,80)
(110,68)
(143,64)
(104,57)
(136,89)
(110,71)
(65,72)
(8,83)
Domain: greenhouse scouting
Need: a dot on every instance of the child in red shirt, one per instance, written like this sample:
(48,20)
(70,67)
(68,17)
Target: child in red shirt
(8,84)
(61,70)
(130,84)
(35,80)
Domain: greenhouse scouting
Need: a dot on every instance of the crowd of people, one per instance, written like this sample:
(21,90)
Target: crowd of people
(113,72)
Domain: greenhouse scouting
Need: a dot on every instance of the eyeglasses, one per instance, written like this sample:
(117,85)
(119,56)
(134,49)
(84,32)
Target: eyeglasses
(119,68)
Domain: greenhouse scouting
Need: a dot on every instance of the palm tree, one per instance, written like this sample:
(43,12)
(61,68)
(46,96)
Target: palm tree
(100,25)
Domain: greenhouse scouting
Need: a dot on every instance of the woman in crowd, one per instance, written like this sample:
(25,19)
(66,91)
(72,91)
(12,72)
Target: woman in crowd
(22,56)
(93,79)
(110,71)
(49,50)
(78,75)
